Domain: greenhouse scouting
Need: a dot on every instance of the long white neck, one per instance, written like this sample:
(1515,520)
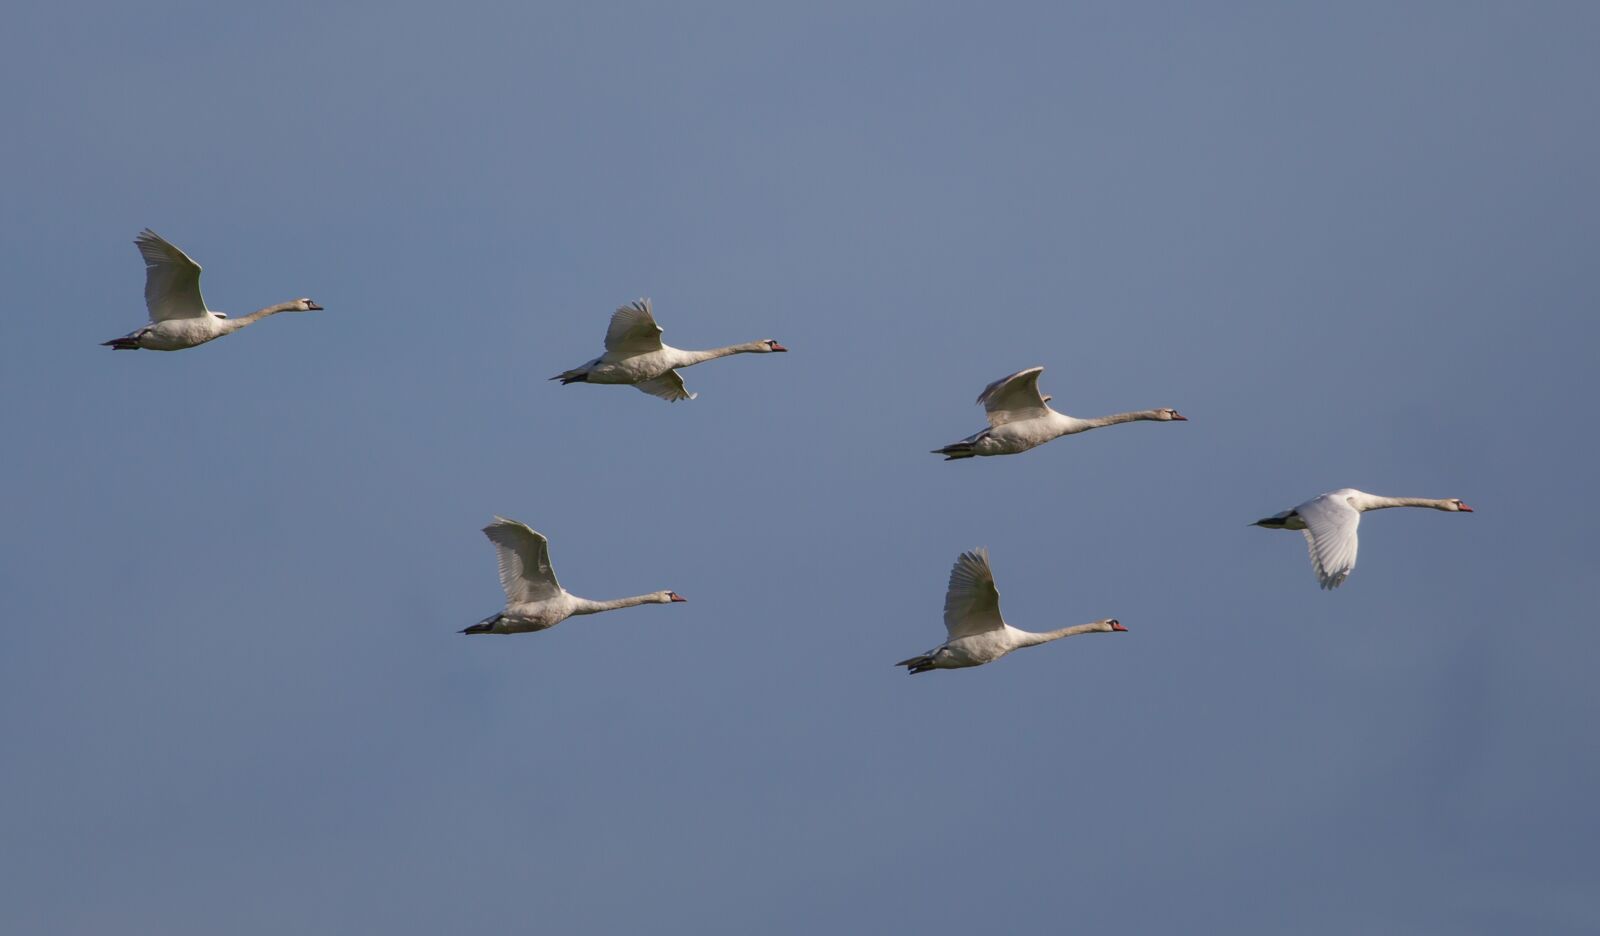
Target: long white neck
(687,358)
(1115,418)
(234,324)
(1029,638)
(1376,502)
(586,606)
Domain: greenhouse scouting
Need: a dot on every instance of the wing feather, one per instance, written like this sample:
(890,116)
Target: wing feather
(524,554)
(1015,397)
(633,330)
(668,386)
(171,279)
(971,602)
(1330,533)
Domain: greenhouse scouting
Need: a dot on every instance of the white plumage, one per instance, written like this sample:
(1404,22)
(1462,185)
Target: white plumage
(178,315)
(535,600)
(1329,522)
(635,355)
(974,630)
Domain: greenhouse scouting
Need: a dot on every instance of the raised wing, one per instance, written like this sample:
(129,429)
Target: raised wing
(1331,537)
(525,571)
(1012,398)
(633,330)
(668,386)
(971,602)
(171,279)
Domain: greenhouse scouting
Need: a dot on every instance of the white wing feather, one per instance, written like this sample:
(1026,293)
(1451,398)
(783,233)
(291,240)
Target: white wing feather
(971,602)
(668,386)
(633,330)
(524,554)
(1015,397)
(1330,537)
(171,279)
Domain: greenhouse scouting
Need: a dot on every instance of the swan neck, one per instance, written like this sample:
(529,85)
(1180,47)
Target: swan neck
(1031,638)
(711,354)
(258,315)
(1375,502)
(1116,418)
(587,606)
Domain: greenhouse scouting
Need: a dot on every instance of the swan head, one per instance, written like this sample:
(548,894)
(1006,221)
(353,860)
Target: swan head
(305,305)
(1170,415)
(771,345)
(668,597)
(1455,504)
(1109,626)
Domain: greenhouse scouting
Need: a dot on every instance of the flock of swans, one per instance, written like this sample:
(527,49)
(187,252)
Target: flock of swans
(1020,418)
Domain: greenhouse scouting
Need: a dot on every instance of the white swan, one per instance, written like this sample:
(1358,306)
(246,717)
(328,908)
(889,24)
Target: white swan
(635,355)
(977,634)
(178,316)
(1019,419)
(1329,522)
(535,601)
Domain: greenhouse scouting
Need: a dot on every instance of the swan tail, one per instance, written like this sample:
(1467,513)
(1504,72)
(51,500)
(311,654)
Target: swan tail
(917,664)
(1271,523)
(572,376)
(485,626)
(126,343)
(956,450)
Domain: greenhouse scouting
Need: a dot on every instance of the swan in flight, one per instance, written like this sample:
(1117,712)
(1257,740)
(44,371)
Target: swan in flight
(535,601)
(635,355)
(1019,419)
(1329,522)
(977,634)
(178,316)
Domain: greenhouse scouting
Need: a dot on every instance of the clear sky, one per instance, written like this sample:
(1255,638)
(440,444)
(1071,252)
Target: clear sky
(1355,246)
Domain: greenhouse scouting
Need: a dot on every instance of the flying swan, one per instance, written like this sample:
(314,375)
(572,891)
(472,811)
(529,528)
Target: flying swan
(535,601)
(1019,419)
(976,633)
(635,355)
(1329,522)
(178,316)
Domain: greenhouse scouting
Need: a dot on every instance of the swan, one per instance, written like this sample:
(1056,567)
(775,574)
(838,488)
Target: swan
(535,601)
(1329,522)
(635,355)
(1019,419)
(977,634)
(178,316)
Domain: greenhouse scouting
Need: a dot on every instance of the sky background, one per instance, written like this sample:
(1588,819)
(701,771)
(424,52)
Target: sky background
(1355,246)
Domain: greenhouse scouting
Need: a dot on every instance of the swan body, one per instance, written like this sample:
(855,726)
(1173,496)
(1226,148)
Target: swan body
(178,315)
(535,601)
(1020,418)
(1329,523)
(635,356)
(975,631)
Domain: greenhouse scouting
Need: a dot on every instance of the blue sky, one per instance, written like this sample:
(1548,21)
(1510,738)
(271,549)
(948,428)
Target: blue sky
(1354,246)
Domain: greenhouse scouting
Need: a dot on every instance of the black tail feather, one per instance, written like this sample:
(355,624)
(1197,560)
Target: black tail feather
(485,626)
(917,664)
(122,344)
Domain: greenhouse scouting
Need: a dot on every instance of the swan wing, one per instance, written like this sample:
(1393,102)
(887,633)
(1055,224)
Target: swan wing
(524,554)
(633,330)
(668,386)
(1012,398)
(171,279)
(1331,537)
(971,602)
